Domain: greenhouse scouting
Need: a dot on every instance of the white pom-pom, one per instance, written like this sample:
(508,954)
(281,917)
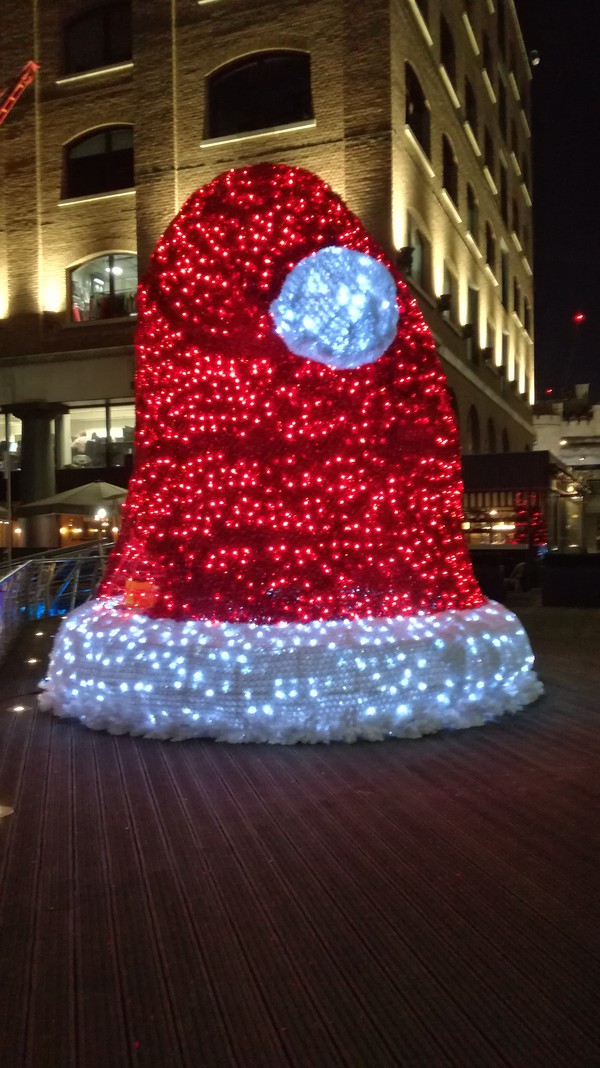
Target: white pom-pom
(338,307)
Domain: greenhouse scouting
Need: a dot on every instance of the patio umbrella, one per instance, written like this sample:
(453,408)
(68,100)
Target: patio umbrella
(83,500)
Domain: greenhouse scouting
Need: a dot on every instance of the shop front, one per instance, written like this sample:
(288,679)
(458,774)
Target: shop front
(525,500)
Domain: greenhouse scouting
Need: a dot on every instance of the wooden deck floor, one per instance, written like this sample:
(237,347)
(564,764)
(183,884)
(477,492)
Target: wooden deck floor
(411,903)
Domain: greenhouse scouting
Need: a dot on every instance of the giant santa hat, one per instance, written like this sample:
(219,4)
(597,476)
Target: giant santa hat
(291,565)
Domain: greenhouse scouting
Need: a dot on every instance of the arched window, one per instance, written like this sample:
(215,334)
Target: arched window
(471,108)
(491,435)
(472,213)
(417,110)
(490,247)
(104,287)
(505,441)
(473,431)
(258,92)
(449,170)
(447,49)
(98,38)
(99,162)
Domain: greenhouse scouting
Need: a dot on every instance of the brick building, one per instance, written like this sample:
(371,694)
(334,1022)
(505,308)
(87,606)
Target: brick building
(415,111)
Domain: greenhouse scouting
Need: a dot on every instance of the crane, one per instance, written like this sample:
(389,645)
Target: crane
(9,97)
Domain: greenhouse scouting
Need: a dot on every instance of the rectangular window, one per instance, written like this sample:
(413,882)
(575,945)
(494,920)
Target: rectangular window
(420,271)
(98,38)
(447,50)
(516,298)
(99,435)
(501,28)
(451,291)
(489,155)
(505,351)
(504,284)
(491,340)
(502,110)
(504,193)
(12,446)
(473,311)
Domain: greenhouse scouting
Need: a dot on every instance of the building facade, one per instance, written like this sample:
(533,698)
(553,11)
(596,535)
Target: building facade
(415,111)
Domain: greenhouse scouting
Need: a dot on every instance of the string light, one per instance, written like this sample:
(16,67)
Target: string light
(269,486)
(336,680)
(338,307)
(297,464)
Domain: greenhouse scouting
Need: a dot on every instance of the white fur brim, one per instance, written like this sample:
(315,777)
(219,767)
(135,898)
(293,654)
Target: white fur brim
(341,680)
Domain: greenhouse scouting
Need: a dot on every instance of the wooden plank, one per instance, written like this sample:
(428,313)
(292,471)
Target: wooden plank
(416,902)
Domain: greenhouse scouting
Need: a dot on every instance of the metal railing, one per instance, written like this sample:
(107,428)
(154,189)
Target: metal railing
(51,584)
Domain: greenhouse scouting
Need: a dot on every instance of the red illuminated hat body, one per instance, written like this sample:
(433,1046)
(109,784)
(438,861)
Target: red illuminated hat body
(269,486)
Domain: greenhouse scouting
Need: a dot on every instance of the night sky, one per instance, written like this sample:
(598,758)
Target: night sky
(566,188)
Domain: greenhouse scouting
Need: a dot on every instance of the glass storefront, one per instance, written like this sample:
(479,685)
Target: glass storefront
(532,519)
